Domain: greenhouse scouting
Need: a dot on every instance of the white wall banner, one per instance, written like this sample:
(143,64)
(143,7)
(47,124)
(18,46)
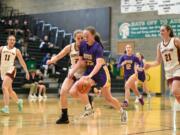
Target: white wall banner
(130,6)
(166,7)
(151,5)
(162,6)
(177,7)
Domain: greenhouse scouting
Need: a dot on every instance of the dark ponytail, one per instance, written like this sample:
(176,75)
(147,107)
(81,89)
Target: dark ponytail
(98,39)
(168,28)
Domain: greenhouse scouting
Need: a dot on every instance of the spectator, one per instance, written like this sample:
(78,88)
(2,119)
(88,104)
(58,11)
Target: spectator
(2,23)
(9,27)
(17,30)
(45,68)
(46,46)
(26,34)
(32,83)
(41,86)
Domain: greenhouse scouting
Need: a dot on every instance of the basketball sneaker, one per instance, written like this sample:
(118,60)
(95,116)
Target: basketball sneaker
(124,116)
(125,104)
(63,119)
(136,100)
(40,98)
(20,105)
(87,112)
(30,97)
(5,110)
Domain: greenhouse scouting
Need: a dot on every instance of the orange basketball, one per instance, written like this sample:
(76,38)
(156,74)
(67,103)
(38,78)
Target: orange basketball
(84,86)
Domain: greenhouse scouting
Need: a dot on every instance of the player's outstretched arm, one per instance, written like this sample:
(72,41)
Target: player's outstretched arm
(66,50)
(23,64)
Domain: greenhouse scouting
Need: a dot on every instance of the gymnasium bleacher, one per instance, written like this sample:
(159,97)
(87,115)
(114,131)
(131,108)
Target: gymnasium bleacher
(57,36)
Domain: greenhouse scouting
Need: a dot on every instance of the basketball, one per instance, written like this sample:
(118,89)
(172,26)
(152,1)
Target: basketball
(84,86)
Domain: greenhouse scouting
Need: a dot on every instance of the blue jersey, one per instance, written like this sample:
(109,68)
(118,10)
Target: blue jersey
(129,66)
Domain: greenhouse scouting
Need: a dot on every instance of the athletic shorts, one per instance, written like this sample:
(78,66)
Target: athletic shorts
(102,78)
(141,76)
(173,74)
(11,72)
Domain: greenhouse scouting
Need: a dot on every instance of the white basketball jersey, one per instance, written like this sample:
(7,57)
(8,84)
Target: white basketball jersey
(74,56)
(170,55)
(8,57)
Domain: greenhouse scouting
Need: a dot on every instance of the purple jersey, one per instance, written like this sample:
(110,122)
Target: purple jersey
(90,54)
(129,66)
(141,73)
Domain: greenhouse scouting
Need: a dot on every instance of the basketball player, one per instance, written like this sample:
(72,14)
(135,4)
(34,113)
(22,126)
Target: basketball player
(169,51)
(8,72)
(73,51)
(128,61)
(141,77)
(91,52)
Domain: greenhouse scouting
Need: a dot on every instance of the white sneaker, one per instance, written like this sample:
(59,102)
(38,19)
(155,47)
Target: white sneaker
(40,98)
(136,100)
(87,112)
(35,97)
(30,97)
(124,116)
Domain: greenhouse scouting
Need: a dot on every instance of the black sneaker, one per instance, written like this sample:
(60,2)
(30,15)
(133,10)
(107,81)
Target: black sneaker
(63,120)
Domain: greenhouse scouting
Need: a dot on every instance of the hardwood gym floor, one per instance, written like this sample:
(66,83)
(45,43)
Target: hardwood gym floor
(38,118)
